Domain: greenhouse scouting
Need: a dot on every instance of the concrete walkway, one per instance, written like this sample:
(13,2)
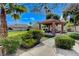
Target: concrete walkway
(46,48)
(73,52)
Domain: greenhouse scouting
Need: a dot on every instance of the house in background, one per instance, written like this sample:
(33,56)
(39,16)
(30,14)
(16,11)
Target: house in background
(19,27)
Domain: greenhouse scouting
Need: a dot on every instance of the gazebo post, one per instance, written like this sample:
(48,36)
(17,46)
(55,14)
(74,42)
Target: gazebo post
(62,25)
(39,26)
(53,28)
(49,27)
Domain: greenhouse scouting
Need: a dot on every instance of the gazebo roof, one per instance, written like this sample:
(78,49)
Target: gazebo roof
(50,21)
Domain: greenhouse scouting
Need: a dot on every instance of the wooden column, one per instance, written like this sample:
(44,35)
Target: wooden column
(62,27)
(39,26)
(53,28)
(49,27)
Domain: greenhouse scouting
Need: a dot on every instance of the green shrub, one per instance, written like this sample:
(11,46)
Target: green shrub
(26,36)
(49,36)
(28,43)
(11,44)
(27,40)
(69,26)
(74,35)
(64,41)
(37,34)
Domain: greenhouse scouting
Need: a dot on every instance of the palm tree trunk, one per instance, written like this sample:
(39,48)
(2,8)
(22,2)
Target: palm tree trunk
(3,22)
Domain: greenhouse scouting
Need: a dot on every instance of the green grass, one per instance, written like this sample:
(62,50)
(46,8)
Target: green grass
(13,33)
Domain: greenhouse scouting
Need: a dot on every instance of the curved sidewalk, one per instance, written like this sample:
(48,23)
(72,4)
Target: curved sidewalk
(46,48)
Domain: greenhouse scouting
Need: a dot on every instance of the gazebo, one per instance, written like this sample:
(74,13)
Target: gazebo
(52,23)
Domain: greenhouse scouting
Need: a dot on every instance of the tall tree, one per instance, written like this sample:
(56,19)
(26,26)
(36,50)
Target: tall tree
(12,9)
(72,10)
(46,8)
(54,16)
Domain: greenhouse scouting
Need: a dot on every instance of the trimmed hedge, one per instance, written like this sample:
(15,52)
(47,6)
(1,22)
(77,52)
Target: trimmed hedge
(74,35)
(28,43)
(36,34)
(25,36)
(31,38)
(28,39)
(64,41)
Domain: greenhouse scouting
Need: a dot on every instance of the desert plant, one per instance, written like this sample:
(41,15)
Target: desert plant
(64,41)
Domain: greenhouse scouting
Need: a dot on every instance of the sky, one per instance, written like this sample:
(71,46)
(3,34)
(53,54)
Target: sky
(33,17)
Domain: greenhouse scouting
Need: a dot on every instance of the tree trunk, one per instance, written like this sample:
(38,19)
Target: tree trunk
(3,22)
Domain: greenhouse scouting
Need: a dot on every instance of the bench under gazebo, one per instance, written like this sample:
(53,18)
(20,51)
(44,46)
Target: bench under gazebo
(52,23)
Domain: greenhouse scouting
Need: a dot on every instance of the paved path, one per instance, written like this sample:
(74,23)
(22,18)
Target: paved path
(46,48)
(64,52)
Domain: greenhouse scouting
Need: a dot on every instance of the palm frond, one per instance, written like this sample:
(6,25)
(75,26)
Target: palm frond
(21,9)
(16,16)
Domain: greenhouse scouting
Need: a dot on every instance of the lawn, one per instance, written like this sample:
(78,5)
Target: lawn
(13,33)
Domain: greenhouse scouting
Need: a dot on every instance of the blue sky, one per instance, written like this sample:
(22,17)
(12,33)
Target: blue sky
(33,17)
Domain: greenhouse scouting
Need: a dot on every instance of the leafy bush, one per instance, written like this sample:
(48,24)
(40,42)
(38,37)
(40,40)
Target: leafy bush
(31,38)
(37,34)
(25,39)
(49,36)
(11,44)
(69,26)
(74,35)
(28,43)
(26,36)
(55,16)
(64,41)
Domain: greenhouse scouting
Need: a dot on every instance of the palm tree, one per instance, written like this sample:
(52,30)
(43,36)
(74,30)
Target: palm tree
(12,9)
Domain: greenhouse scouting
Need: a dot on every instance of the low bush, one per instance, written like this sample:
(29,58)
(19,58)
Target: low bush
(11,44)
(31,38)
(28,43)
(27,39)
(74,35)
(69,26)
(25,36)
(49,35)
(64,41)
(37,34)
